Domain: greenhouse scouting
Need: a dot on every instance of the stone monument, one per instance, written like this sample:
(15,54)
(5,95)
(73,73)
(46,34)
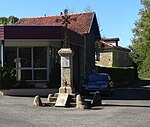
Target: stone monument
(66,70)
(66,55)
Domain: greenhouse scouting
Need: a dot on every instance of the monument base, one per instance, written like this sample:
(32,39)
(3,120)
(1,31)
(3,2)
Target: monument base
(66,89)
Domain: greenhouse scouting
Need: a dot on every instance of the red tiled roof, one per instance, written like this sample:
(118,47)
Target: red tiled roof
(110,39)
(82,24)
(108,46)
(122,48)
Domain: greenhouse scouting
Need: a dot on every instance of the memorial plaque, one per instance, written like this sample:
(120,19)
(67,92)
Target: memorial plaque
(65,61)
(62,100)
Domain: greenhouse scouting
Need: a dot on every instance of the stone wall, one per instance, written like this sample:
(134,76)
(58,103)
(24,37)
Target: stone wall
(114,59)
(105,60)
(121,59)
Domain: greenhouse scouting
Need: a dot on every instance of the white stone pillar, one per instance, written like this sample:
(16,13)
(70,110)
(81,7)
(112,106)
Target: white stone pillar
(66,70)
(18,68)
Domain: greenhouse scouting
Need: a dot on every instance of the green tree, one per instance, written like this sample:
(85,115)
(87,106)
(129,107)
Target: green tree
(3,20)
(8,21)
(12,20)
(140,48)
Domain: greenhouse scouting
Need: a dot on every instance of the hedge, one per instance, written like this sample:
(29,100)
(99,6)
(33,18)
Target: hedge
(119,74)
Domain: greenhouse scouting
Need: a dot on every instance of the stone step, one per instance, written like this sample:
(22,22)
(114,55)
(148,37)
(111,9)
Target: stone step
(56,94)
(72,95)
(50,104)
(72,104)
(87,103)
(52,99)
(72,99)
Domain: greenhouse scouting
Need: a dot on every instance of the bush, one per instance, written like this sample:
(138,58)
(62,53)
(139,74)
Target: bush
(7,77)
(120,74)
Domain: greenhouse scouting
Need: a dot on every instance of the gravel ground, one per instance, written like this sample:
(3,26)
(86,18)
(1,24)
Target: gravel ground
(19,112)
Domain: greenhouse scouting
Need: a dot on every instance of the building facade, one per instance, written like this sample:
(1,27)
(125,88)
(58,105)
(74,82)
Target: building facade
(31,47)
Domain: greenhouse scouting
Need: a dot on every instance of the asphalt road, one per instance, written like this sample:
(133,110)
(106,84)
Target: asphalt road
(127,107)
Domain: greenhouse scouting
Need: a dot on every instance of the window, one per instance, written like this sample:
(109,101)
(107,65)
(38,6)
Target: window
(10,55)
(40,57)
(26,74)
(25,57)
(33,62)
(40,74)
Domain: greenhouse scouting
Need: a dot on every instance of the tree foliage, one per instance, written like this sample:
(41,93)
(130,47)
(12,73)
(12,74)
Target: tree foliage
(140,48)
(8,21)
(7,76)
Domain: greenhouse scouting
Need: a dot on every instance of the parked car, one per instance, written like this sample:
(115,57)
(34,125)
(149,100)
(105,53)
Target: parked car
(101,82)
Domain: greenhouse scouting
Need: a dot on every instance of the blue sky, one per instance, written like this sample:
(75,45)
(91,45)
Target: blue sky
(116,17)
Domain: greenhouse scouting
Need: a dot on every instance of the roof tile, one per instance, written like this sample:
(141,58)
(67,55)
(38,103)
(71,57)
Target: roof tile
(81,25)
(109,46)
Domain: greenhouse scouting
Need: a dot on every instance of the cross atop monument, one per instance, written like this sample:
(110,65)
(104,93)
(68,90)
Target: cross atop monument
(65,21)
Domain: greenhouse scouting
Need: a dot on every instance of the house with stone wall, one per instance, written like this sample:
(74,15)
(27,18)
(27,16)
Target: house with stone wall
(113,55)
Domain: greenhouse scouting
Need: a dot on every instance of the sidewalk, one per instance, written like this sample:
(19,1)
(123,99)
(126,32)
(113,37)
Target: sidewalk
(28,92)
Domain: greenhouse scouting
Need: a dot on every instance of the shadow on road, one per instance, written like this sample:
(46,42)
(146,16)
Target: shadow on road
(119,105)
(138,90)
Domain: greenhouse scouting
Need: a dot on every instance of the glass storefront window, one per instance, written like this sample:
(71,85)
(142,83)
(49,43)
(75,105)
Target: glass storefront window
(40,57)
(10,55)
(26,74)
(33,62)
(25,57)
(40,74)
